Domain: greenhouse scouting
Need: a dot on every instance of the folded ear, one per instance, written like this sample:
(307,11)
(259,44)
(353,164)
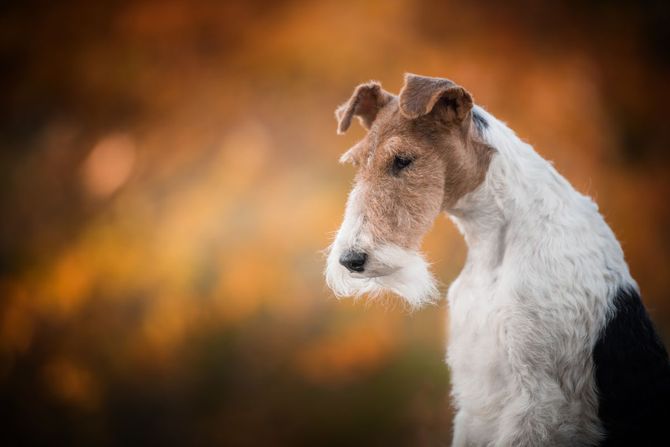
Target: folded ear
(421,94)
(366,101)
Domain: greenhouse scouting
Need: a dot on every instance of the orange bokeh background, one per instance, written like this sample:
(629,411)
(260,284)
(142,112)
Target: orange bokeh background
(170,179)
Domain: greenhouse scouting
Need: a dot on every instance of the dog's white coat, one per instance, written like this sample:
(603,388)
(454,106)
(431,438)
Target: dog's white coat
(528,307)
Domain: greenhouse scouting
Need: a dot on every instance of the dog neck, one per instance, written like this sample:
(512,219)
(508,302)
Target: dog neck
(483,223)
(519,195)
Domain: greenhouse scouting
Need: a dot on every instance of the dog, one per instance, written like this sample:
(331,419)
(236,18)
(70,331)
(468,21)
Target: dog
(549,342)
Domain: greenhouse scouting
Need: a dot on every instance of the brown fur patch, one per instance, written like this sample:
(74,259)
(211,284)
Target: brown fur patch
(364,103)
(431,125)
(421,93)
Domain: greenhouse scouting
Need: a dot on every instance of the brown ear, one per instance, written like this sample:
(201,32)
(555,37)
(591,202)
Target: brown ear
(421,93)
(366,101)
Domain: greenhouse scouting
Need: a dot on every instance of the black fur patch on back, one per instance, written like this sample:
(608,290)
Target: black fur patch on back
(480,122)
(632,376)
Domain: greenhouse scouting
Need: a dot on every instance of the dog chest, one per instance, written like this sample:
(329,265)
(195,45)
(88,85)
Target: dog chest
(476,353)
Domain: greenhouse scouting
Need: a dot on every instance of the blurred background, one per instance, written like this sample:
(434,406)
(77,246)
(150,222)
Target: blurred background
(168,177)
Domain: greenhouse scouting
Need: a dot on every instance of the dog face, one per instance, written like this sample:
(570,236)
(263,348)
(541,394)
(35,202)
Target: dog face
(420,155)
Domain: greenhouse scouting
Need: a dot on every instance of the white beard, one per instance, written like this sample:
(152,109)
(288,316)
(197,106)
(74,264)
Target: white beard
(390,268)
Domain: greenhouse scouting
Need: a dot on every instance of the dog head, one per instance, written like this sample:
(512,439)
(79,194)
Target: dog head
(419,156)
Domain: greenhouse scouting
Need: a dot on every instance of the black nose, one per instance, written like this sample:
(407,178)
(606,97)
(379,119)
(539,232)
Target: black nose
(354,261)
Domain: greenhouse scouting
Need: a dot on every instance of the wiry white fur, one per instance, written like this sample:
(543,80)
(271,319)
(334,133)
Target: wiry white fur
(389,267)
(408,277)
(526,311)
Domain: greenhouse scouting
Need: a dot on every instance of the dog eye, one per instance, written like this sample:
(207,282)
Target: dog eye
(400,162)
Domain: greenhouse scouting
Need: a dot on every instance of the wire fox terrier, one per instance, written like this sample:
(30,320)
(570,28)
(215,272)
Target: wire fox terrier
(549,342)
